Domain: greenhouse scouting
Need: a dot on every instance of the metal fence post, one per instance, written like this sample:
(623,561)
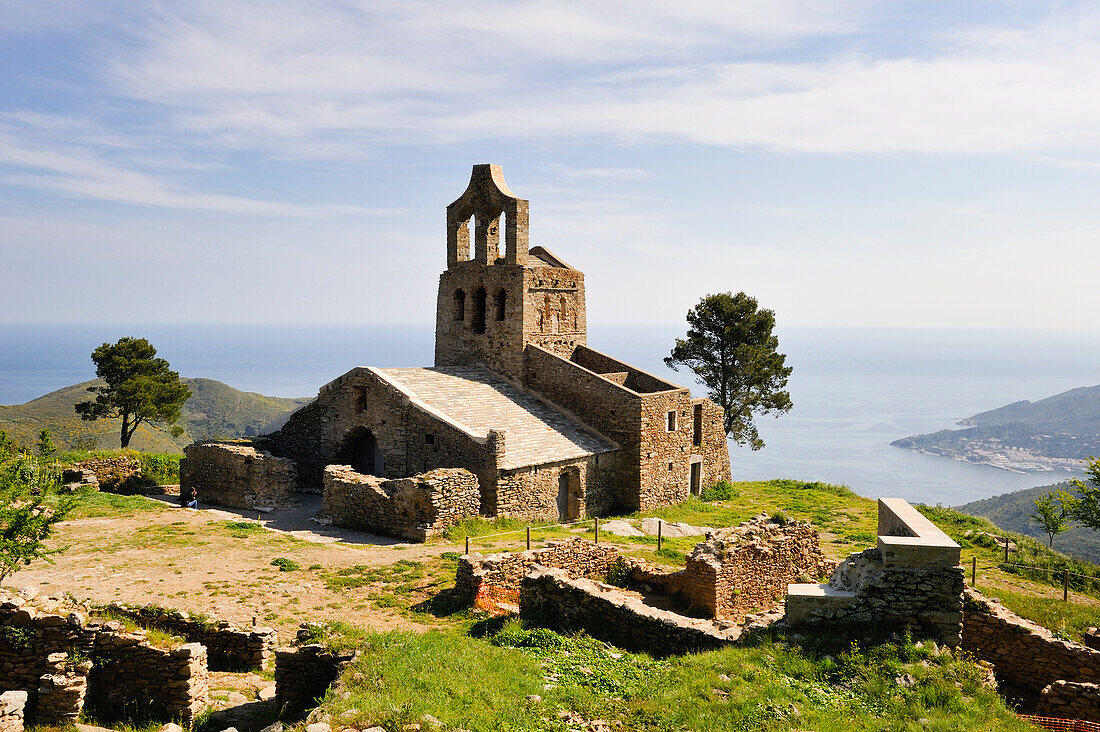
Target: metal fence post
(1065,585)
(597,529)
(1006,550)
(973,571)
(660,523)
(467,545)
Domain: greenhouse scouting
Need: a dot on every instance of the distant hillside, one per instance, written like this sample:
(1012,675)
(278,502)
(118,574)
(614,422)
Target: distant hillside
(214,410)
(1009,511)
(1053,433)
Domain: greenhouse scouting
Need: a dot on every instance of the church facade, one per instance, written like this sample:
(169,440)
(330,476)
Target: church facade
(552,428)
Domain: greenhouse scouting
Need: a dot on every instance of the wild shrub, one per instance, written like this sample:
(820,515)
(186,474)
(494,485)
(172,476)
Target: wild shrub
(721,491)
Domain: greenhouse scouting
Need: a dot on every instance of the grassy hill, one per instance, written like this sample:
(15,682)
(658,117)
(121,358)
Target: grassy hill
(214,410)
(1010,510)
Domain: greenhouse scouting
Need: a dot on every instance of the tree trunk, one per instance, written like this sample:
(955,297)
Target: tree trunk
(126,433)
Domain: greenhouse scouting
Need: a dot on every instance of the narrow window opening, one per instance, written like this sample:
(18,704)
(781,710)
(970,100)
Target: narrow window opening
(479,309)
(361,399)
(670,467)
(429,438)
(671,421)
(500,304)
(460,305)
(697,436)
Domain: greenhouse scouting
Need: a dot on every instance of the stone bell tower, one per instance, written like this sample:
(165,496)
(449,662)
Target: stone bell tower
(491,306)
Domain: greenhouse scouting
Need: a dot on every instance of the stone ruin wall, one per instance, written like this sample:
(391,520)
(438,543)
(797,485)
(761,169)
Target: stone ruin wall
(551,598)
(303,674)
(740,570)
(237,475)
(1023,653)
(318,434)
(228,647)
(415,508)
(110,473)
(43,647)
(1070,700)
(504,571)
(12,704)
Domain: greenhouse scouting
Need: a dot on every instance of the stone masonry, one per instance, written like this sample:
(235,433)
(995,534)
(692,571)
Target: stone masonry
(237,475)
(552,428)
(127,675)
(303,674)
(416,508)
(578,557)
(912,579)
(12,705)
(1070,700)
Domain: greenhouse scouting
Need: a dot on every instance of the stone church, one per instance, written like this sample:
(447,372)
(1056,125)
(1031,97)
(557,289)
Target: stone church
(551,428)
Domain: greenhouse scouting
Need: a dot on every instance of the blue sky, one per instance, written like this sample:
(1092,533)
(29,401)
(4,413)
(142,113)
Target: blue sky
(851,164)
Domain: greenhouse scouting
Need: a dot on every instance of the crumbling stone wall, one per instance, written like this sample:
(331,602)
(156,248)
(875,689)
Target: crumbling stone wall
(415,508)
(1023,653)
(1070,700)
(303,675)
(131,679)
(925,599)
(228,647)
(551,598)
(237,475)
(739,570)
(127,675)
(12,704)
(710,442)
(113,473)
(578,557)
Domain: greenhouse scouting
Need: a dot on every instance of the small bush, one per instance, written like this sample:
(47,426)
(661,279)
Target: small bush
(618,574)
(721,491)
(285,565)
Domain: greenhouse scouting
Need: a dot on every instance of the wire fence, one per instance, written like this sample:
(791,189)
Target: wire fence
(1060,725)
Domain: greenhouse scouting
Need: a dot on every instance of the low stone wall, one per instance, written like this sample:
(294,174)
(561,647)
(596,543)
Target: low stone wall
(228,647)
(738,570)
(112,474)
(1024,654)
(578,557)
(552,599)
(1070,700)
(237,475)
(12,704)
(126,675)
(304,674)
(414,508)
(910,580)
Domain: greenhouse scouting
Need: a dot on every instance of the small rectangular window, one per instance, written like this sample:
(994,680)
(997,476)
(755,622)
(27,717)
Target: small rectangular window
(672,421)
(429,438)
(670,467)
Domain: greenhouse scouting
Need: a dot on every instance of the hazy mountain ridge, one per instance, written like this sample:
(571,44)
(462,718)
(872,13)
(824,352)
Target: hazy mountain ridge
(1050,434)
(214,410)
(1010,512)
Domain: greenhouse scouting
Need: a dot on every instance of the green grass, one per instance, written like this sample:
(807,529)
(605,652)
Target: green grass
(93,504)
(1067,620)
(335,635)
(479,684)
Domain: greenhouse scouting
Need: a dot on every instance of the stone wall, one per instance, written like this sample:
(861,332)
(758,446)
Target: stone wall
(1070,700)
(578,557)
(237,475)
(551,598)
(709,441)
(228,647)
(12,704)
(414,508)
(532,491)
(304,674)
(134,680)
(126,676)
(911,580)
(112,474)
(739,570)
(1023,653)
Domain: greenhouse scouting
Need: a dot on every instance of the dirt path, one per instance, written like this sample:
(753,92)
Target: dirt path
(219,563)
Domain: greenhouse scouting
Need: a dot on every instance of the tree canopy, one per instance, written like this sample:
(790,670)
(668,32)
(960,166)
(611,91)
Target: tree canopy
(139,387)
(28,507)
(1052,513)
(1085,507)
(731,347)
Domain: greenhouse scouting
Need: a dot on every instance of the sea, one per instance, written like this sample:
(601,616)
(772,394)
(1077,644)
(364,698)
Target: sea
(854,390)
